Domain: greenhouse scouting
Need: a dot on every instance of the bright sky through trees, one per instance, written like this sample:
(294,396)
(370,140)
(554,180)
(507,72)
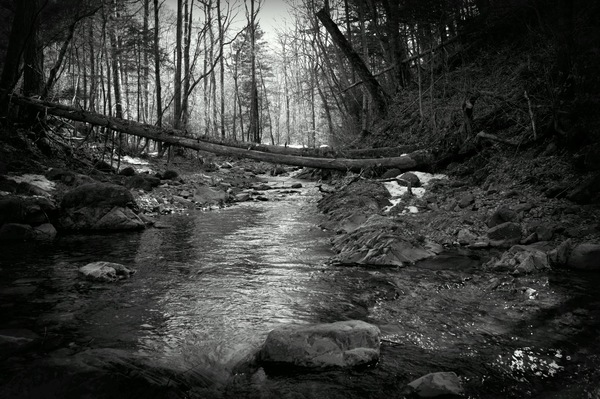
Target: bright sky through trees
(272,16)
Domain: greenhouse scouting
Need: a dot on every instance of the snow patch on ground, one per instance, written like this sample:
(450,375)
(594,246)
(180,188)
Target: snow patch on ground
(134,161)
(39,181)
(397,191)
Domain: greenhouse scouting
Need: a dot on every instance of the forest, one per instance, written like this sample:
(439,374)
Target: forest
(356,199)
(331,73)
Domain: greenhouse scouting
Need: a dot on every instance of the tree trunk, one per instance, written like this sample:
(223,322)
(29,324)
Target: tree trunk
(157,66)
(146,67)
(93,78)
(375,91)
(178,60)
(254,111)
(185,112)
(221,68)
(21,29)
(416,160)
(114,54)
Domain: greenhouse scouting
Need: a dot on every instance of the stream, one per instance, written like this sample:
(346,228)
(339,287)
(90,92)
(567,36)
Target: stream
(210,287)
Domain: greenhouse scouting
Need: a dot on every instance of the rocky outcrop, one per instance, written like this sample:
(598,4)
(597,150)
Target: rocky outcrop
(27,218)
(341,344)
(521,259)
(99,206)
(379,242)
(436,384)
(105,272)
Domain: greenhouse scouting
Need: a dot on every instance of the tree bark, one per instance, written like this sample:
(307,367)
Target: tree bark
(114,54)
(414,161)
(254,129)
(221,68)
(157,66)
(146,67)
(371,84)
(178,49)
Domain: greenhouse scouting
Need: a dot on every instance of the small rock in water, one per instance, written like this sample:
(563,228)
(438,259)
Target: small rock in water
(297,185)
(411,178)
(105,271)
(437,384)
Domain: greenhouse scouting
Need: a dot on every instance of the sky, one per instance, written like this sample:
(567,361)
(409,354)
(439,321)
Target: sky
(272,14)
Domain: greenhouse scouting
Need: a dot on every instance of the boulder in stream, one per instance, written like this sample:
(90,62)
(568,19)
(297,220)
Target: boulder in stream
(377,242)
(105,272)
(205,195)
(341,344)
(436,384)
(99,206)
(585,257)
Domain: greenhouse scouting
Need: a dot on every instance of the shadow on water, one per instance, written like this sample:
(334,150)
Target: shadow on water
(209,288)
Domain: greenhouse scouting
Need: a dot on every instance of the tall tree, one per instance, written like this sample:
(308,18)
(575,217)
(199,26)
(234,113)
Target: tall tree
(114,54)
(377,94)
(254,129)
(178,64)
(159,112)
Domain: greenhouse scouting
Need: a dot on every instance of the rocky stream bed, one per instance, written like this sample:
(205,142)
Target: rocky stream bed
(440,265)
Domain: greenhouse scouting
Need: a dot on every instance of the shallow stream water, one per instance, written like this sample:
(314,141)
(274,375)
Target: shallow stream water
(210,287)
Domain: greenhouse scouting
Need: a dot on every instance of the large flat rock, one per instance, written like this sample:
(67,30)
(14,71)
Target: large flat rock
(341,344)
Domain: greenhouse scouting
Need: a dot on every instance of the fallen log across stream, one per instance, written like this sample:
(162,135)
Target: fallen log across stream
(327,152)
(413,161)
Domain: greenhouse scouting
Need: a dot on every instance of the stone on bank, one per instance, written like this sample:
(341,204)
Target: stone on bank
(341,344)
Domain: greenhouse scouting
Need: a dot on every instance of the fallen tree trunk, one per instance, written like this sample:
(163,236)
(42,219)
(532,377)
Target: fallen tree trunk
(414,161)
(323,152)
